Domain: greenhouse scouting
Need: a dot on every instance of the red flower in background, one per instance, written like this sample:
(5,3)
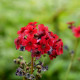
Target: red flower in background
(71,23)
(76,32)
(39,41)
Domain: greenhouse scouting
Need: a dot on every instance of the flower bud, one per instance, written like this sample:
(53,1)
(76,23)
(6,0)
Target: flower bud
(28,76)
(20,57)
(19,72)
(14,60)
(38,75)
(22,48)
(21,66)
(32,77)
(66,47)
(18,61)
(27,68)
(22,63)
(72,53)
(24,72)
(40,63)
(38,66)
(39,71)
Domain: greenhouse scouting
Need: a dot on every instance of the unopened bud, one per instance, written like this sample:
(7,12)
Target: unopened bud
(38,66)
(24,72)
(18,61)
(72,53)
(66,47)
(14,60)
(20,57)
(38,75)
(22,63)
(39,71)
(27,68)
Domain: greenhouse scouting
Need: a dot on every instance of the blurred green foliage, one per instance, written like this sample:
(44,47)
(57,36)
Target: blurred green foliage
(15,14)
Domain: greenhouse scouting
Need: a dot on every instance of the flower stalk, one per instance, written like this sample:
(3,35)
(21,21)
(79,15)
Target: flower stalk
(24,78)
(31,65)
(72,58)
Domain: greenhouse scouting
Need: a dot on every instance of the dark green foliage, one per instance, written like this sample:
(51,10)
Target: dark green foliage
(15,14)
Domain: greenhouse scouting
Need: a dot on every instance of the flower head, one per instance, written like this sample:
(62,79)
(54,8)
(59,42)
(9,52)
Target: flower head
(76,32)
(71,22)
(71,25)
(39,41)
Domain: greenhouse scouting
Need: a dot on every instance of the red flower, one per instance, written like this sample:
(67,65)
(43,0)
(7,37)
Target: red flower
(56,50)
(53,55)
(54,36)
(48,39)
(29,43)
(18,42)
(58,46)
(30,31)
(71,22)
(42,30)
(60,43)
(21,32)
(76,32)
(32,24)
(43,46)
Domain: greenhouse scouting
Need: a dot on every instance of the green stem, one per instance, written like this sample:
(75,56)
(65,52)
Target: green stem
(31,65)
(72,59)
(24,78)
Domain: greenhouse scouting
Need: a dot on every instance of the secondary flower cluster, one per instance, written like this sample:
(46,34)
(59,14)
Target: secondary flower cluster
(39,41)
(75,30)
(25,68)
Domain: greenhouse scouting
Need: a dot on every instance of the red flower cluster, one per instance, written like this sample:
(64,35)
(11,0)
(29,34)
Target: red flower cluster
(75,30)
(39,41)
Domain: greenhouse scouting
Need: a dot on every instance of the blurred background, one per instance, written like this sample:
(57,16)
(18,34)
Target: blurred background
(15,14)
